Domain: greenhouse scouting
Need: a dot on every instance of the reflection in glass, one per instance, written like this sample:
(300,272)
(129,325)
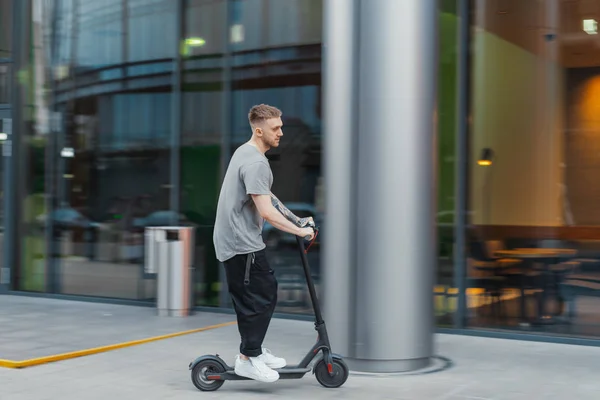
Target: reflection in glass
(284,70)
(30,187)
(445,289)
(98,153)
(203,132)
(534,257)
(219,90)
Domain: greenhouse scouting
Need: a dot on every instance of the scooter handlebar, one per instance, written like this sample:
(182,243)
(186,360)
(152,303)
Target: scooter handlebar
(315,229)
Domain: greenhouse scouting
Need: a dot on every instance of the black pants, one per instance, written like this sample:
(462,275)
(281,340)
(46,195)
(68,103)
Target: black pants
(253,290)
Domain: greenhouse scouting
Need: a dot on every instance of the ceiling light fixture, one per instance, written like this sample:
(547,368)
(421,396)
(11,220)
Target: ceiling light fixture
(590,26)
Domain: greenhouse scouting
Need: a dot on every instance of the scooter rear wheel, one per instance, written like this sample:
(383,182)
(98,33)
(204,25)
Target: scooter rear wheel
(201,370)
(340,373)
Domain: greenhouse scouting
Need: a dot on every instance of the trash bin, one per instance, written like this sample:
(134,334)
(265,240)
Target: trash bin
(168,254)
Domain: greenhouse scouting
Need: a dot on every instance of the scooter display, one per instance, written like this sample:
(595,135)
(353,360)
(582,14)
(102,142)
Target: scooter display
(209,372)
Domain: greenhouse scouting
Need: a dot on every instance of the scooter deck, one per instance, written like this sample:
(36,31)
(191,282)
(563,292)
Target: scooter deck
(289,372)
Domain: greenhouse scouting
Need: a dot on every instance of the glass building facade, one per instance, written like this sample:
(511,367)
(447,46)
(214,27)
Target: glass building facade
(122,114)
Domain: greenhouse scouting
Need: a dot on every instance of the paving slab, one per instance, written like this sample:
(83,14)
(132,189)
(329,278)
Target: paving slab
(33,327)
(483,369)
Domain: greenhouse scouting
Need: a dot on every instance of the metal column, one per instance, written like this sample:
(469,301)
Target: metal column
(462,161)
(12,153)
(176,115)
(389,327)
(6,128)
(227,128)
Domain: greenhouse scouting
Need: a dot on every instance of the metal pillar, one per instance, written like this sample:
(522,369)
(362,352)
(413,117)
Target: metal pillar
(6,128)
(227,128)
(176,114)
(383,301)
(462,161)
(13,163)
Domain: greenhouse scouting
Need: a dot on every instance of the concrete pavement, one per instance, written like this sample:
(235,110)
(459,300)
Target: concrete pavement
(483,369)
(33,327)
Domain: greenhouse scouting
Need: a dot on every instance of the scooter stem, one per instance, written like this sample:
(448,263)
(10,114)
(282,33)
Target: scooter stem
(310,282)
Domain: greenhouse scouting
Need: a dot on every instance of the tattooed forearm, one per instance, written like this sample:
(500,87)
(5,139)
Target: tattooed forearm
(290,216)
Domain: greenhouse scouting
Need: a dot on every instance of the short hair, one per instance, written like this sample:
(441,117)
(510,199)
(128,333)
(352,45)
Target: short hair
(262,112)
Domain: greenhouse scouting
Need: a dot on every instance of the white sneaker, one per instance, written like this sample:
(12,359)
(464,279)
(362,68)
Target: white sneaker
(272,362)
(255,368)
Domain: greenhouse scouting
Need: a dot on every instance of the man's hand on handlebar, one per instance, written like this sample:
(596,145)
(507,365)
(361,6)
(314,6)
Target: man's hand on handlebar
(308,226)
(307,233)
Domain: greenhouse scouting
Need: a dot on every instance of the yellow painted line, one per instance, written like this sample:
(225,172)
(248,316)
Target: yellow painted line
(81,353)
(8,364)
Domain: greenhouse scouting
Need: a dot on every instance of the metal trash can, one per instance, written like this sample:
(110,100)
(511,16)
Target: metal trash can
(169,255)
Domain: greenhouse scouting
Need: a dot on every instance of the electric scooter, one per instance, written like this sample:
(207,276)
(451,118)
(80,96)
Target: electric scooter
(209,372)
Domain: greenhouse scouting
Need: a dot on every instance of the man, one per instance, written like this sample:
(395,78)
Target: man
(245,202)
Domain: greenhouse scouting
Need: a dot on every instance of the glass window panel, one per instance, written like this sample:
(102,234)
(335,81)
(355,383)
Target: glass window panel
(533,166)
(96,166)
(445,290)
(203,131)
(99,33)
(145,41)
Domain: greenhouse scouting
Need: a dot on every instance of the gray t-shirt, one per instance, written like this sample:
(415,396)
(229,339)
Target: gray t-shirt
(238,225)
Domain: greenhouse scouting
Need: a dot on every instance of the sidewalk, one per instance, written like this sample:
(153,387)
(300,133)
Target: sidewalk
(33,327)
(483,368)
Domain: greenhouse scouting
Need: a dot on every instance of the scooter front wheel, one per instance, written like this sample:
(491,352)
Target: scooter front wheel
(335,380)
(200,372)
